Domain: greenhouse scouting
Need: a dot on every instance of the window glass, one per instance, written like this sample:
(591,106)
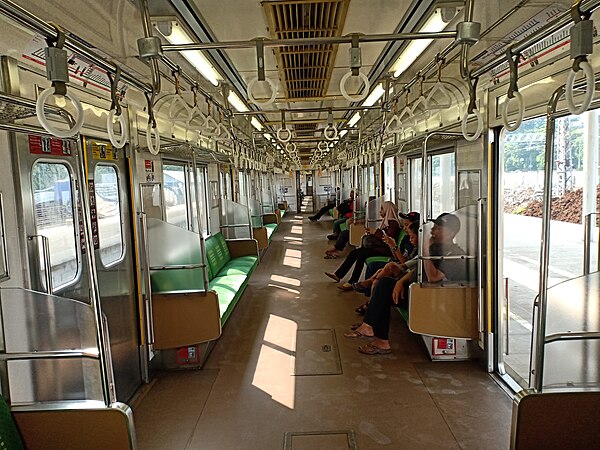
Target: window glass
(389,188)
(415,184)
(201,173)
(108,209)
(174,193)
(55,219)
(443,186)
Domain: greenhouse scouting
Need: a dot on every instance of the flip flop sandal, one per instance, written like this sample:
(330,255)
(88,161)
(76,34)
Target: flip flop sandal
(370,349)
(362,309)
(358,287)
(333,276)
(331,256)
(356,334)
(345,287)
(354,326)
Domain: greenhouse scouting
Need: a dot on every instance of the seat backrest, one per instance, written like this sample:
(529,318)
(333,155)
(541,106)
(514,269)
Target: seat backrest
(555,420)
(217,254)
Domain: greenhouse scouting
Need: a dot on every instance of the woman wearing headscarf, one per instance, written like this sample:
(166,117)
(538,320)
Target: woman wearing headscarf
(379,245)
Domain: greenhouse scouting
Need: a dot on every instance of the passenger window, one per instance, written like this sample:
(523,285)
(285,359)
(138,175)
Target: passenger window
(175,196)
(108,210)
(201,173)
(443,186)
(3,254)
(415,183)
(55,219)
(389,188)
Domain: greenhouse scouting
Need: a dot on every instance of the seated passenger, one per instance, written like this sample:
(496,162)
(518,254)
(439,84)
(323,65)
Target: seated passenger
(390,226)
(407,250)
(345,211)
(389,291)
(394,269)
(329,205)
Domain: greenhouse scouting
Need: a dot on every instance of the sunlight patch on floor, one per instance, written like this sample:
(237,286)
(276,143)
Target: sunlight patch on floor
(291,291)
(277,355)
(292,258)
(296,229)
(285,280)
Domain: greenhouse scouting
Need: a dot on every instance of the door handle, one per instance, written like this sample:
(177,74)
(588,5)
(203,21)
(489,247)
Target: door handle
(45,259)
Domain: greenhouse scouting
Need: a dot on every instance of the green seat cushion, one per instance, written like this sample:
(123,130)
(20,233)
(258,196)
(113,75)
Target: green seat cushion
(271,227)
(373,259)
(343,226)
(403,312)
(9,433)
(243,265)
(229,289)
(217,253)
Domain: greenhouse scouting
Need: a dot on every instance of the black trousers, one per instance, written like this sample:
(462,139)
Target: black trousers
(378,313)
(357,258)
(325,209)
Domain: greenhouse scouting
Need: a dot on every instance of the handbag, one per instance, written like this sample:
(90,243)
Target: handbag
(371,241)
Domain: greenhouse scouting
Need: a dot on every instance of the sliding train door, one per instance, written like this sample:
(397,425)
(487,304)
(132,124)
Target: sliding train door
(521,191)
(56,247)
(110,206)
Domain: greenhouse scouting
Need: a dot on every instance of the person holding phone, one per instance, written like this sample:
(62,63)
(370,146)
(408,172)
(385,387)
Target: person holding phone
(389,229)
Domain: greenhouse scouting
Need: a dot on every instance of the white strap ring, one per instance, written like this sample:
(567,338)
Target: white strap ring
(154,149)
(110,128)
(251,85)
(288,136)
(589,89)
(390,128)
(41,115)
(320,146)
(520,112)
(465,119)
(290,147)
(355,98)
(330,132)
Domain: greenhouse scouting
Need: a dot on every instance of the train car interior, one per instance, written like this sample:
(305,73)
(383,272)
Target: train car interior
(299,224)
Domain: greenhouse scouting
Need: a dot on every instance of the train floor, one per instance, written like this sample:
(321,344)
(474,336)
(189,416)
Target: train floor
(283,376)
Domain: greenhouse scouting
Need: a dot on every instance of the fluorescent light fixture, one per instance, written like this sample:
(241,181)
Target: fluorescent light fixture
(413,50)
(256,124)
(236,102)
(179,36)
(267,136)
(354,119)
(374,96)
(343,133)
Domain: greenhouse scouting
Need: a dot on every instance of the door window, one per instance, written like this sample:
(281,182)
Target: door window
(108,210)
(174,193)
(55,219)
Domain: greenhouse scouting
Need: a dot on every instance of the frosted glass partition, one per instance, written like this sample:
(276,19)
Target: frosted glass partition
(463,271)
(35,322)
(235,220)
(256,213)
(169,245)
(373,217)
(572,326)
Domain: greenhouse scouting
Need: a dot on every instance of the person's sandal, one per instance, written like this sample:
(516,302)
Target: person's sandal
(359,287)
(345,287)
(370,349)
(362,309)
(333,276)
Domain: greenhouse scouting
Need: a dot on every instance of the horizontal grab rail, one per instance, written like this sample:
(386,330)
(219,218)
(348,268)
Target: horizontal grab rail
(572,336)
(50,354)
(178,267)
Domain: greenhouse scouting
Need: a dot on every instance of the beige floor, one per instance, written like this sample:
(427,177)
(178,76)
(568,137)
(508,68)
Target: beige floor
(247,398)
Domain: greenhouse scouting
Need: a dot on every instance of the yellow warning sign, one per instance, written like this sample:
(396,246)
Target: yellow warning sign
(101,150)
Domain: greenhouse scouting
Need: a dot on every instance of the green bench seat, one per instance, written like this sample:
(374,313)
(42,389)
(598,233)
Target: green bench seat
(271,227)
(227,275)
